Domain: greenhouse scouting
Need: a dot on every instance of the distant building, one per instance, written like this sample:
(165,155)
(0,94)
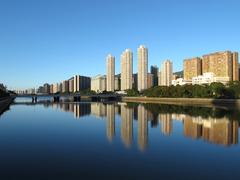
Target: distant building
(135,81)
(150,80)
(110,72)
(154,72)
(117,83)
(142,67)
(192,68)
(98,83)
(81,83)
(65,86)
(71,85)
(126,70)
(46,88)
(51,89)
(2,87)
(166,73)
(56,88)
(40,90)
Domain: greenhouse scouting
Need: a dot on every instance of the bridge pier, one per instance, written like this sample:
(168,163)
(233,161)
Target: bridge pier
(34,99)
(77,98)
(56,99)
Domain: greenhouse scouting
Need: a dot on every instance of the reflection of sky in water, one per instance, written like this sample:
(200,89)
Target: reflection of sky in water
(78,138)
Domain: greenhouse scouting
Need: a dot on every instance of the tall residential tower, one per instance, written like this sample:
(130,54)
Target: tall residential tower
(166,73)
(110,72)
(142,67)
(126,70)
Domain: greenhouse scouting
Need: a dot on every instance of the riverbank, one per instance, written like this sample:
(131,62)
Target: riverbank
(185,101)
(5,103)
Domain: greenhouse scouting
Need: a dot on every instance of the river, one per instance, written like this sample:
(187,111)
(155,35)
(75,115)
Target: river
(118,140)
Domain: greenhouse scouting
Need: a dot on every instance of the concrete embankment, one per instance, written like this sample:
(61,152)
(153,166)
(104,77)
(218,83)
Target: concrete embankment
(185,101)
(5,103)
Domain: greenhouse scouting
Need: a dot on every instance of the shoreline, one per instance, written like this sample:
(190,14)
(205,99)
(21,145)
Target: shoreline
(185,101)
(5,103)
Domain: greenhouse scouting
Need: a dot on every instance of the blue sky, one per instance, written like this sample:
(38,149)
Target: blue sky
(51,40)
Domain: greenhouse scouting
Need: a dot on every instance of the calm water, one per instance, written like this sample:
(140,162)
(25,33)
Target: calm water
(118,141)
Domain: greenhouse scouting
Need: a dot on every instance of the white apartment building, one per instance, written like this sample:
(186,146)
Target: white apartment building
(98,83)
(208,78)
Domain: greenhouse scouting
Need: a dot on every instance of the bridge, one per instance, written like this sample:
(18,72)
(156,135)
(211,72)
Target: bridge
(73,97)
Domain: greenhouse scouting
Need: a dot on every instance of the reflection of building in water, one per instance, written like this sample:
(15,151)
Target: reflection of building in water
(178,117)
(192,129)
(110,121)
(65,107)
(98,110)
(142,127)
(117,110)
(81,109)
(217,131)
(127,125)
(166,123)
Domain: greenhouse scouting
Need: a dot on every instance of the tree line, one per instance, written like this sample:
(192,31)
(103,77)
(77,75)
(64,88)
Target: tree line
(215,90)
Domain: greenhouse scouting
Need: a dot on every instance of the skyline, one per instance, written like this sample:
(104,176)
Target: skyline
(50,41)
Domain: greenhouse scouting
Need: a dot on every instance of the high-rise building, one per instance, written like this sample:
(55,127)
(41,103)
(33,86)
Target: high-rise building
(98,83)
(71,85)
(149,80)
(219,63)
(81,83)
(166,73)
(65,86)
(235,67)
(110,72)
(126,70)
(192,68)
(142,67)
(154,72)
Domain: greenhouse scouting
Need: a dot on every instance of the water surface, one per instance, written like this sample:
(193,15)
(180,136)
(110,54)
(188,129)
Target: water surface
(118,141)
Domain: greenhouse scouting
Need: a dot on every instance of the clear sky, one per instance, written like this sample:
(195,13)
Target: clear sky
(52,40)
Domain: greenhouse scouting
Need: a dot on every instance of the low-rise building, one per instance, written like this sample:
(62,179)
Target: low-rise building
(208,78)
(181,82)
